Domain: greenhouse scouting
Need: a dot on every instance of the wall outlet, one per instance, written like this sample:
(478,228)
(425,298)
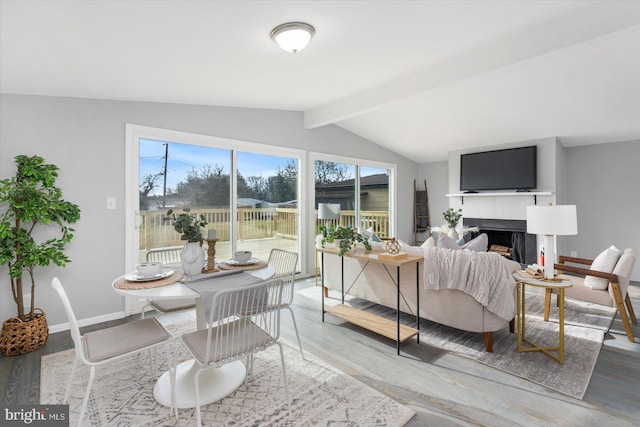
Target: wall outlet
(431,278)
(574,254)
(27,301)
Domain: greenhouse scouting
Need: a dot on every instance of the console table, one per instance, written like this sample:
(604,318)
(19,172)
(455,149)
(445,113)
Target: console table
(380,325)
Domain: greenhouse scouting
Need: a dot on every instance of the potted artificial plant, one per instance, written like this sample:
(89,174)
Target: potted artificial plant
(344,237)
(28,199)
(190,227)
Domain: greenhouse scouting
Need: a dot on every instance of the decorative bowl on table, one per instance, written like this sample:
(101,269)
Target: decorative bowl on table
(242,257)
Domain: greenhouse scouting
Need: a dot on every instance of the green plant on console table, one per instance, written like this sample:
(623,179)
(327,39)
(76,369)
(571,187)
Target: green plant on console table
(347,237)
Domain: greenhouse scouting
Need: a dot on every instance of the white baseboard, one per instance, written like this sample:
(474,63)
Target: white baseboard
(89,321)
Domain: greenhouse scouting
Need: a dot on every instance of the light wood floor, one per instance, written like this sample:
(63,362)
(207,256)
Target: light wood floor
(442,388)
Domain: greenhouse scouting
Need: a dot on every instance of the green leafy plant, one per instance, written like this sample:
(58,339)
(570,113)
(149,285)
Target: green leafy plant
(347,237)
(452,217)
(27,199)
(188,224)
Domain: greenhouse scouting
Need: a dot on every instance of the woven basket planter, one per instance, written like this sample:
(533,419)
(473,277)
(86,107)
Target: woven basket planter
(20,337)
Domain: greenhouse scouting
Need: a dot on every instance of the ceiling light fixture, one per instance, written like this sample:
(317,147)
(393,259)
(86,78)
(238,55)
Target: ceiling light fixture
(293,36)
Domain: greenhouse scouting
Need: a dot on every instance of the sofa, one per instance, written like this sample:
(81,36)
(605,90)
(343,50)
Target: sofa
(451,307)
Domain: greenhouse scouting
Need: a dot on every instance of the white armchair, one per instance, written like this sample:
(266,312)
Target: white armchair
(615,295)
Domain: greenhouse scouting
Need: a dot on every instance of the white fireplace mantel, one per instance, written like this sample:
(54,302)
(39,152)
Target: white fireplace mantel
(533,194)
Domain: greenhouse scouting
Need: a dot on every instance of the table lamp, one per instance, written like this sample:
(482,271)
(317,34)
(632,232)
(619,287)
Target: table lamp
(551,221)
(328,212)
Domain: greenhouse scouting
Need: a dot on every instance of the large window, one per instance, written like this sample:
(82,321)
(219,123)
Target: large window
(362,191)
(247,192)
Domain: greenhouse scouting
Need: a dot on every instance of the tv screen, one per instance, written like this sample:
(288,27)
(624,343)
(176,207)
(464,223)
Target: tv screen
(511,169)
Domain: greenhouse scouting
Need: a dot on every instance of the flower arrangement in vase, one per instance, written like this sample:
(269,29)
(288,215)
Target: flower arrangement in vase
(452,216)
(190,227)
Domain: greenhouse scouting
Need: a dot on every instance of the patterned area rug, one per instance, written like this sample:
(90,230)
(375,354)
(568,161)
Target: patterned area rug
(321,395)
(585,327)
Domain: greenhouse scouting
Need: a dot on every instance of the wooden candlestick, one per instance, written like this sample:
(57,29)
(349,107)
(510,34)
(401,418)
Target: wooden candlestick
(211,257)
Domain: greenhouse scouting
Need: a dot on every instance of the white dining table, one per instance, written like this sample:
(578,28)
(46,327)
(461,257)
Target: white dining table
(214,383)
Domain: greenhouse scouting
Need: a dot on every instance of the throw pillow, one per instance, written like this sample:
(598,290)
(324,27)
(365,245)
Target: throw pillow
(604,262)
(446,242)
(479,244)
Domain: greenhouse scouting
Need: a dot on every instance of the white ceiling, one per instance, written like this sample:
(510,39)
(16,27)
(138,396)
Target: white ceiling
(418,77)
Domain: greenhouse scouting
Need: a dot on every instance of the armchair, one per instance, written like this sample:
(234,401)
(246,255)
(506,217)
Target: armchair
(615,295)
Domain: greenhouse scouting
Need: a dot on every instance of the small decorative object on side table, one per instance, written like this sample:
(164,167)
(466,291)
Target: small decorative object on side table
(211,252)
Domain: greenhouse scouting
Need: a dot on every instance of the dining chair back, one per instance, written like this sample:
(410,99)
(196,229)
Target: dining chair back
(242,321)
(285,264)
(167,256)
(106,345)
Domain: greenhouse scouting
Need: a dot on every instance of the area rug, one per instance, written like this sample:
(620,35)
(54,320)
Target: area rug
(321,395)
(585,327)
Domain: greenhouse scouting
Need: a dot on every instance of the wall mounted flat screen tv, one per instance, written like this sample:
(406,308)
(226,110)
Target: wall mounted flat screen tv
(511,169)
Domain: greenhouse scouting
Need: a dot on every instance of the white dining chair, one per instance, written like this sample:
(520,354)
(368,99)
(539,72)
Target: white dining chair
(242,321)
(285,264)
(106,345)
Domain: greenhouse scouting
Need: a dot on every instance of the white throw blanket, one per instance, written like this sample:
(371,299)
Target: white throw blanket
(483,275)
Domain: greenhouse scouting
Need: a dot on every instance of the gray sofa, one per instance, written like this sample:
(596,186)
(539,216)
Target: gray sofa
(453,308)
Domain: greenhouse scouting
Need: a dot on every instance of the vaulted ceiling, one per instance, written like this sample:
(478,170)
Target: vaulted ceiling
(418,77)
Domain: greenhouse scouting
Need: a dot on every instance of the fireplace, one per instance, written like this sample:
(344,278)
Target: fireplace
(508,237)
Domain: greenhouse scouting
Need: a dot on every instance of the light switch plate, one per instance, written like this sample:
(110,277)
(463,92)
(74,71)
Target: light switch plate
(111,203)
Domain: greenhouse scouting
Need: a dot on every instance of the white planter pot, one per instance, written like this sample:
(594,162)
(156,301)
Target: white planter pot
(192,259)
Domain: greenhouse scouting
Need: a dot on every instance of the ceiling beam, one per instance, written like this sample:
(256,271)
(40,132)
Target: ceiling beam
(591,22)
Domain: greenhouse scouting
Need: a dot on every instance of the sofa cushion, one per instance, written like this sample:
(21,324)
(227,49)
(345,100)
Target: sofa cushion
(604,262)
(579,291)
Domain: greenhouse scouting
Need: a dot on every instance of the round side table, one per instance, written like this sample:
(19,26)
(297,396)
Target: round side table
(561,285)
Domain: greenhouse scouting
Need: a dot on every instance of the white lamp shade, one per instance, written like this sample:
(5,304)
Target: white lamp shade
(293,36)
(559,220)
(328,211)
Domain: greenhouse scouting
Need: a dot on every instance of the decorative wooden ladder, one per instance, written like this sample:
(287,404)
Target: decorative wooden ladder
(421,223)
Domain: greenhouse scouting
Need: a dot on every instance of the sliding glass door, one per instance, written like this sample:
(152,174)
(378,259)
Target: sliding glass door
(248,193)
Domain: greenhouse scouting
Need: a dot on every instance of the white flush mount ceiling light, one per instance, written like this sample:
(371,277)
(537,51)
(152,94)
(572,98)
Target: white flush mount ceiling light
(293,36)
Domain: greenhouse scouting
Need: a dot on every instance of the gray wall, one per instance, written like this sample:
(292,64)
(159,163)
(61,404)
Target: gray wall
(603,182)
(86,139)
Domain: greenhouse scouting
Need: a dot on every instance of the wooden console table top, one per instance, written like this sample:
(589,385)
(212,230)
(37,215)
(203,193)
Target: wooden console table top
(372,256)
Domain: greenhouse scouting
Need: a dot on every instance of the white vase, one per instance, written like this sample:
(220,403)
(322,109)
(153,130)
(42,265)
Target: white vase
(453,234)
(192,259)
